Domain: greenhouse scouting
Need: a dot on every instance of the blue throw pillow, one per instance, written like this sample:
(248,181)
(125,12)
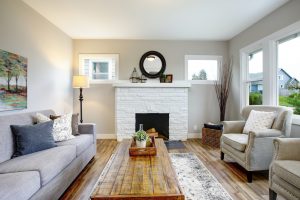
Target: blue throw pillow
(32,138)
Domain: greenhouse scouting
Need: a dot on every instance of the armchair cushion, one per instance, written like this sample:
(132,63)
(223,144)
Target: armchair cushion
(288,170)
(259,120)
(236,141)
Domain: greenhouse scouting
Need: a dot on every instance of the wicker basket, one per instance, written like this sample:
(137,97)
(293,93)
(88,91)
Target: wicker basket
(211,137)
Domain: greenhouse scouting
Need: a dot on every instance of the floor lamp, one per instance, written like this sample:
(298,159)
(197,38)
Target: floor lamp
(81,82)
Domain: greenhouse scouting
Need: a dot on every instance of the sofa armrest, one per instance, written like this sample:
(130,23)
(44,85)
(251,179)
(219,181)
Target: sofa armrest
(87,128)
(233,126)
(287,149)
(266,133)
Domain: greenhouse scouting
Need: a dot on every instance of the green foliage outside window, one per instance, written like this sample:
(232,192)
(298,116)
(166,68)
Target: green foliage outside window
(294,101)
(255,98)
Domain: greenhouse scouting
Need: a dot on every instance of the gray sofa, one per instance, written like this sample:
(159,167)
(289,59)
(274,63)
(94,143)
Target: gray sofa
(45,174)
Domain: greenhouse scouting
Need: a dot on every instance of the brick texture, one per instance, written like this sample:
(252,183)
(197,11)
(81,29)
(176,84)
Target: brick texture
(152,100)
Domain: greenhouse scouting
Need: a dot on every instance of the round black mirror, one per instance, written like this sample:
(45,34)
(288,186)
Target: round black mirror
(152,64)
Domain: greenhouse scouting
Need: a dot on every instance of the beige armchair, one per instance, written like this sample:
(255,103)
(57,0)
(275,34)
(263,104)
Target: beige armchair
(284,176)
(254,151)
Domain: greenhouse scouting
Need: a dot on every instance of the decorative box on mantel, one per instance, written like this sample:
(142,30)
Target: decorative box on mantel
(152,97)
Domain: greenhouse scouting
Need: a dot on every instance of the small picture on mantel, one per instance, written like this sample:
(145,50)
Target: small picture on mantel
(169,78)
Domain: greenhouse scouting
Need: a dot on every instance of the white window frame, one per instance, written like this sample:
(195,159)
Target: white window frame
(244,76)
(218,58)
(99,57)
(270,78)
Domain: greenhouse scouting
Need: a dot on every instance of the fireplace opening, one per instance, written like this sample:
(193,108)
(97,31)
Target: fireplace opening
(157,121)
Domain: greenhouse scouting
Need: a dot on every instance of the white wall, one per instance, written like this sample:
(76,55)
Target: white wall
(99,101)
(280,18)
(49,51)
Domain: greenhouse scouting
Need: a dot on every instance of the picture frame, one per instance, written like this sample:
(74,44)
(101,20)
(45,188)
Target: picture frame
(169,78)
(13,81)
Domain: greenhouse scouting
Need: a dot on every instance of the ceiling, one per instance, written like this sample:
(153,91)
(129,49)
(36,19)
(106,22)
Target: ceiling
(154,19)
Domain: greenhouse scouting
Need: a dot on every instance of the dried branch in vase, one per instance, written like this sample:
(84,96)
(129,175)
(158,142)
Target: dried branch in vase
(222,87)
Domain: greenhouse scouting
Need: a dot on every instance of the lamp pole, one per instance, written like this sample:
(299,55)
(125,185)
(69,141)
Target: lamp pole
(80,99)
(81,82)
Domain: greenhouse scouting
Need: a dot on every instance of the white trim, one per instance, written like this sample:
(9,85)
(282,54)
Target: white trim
(128,84)
(106,136)
(218,58)
(202,82)
(194,135)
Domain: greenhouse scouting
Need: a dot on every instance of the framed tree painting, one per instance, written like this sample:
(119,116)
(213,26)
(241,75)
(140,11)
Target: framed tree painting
(13,81)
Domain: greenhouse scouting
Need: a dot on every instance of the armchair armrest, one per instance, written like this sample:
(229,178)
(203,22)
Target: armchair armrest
(287,149)
(266,133)
(233,126)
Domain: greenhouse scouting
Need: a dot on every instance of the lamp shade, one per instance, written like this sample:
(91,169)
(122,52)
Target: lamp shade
(81,82)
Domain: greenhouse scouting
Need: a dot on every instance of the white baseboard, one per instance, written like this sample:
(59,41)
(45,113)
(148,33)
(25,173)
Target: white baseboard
(106,136)
(194,135)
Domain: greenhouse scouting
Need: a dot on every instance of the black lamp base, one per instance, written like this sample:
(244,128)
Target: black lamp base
(80,99)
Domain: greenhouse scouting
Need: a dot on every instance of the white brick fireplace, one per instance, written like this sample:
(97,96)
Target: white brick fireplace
(132,98)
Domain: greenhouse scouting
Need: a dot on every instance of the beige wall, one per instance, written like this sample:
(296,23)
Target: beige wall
(100,99)
(280,18)
(49,51)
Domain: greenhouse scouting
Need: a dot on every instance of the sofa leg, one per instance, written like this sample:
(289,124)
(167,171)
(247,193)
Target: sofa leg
(249,176)
(272,195)
(222,155)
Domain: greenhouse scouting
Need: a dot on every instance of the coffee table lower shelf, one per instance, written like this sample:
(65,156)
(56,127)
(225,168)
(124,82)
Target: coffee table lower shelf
(139,177)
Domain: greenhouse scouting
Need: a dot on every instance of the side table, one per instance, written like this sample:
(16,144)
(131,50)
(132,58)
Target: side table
(211,137)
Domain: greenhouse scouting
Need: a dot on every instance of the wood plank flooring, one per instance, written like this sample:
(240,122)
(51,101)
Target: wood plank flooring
(230,175)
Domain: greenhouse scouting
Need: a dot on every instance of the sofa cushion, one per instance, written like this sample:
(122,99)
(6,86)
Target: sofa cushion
(236,141)
(48,163)
(19,185)
(82,142)
(32,138)
(288,170)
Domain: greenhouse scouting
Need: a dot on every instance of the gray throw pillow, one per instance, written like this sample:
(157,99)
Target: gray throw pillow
(32,138)
(75,130)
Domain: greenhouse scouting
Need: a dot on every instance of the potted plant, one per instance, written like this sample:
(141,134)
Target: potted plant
(141,138)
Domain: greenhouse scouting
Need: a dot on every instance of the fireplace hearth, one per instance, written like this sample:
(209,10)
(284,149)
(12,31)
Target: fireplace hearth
(158,121)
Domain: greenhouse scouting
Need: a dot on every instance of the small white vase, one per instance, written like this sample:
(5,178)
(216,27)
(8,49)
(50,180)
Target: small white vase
(141,144)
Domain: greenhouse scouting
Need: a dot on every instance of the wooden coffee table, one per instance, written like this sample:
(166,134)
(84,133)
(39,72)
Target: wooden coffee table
(140,177)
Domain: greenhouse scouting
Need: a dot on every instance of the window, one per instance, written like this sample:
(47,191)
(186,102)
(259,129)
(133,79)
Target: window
(99,67)
(255,77)
(202,69)
(281,69)
(288,64)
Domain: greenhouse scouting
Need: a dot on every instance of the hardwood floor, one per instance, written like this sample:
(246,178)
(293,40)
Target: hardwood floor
(229,174)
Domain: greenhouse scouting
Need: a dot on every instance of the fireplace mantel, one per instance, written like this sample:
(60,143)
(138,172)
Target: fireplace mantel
(175,84)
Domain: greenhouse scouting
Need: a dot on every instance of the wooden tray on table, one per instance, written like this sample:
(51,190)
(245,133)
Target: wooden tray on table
(150,150)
